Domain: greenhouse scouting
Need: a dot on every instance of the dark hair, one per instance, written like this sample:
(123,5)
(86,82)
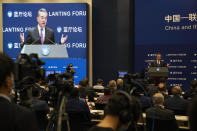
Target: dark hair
(36,91)
(193,84)
(99,80)
(126,107)
(6,67)
(82,83)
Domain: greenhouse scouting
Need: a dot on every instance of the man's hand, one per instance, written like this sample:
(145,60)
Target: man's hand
(22,37)
(63,39)
(168,65)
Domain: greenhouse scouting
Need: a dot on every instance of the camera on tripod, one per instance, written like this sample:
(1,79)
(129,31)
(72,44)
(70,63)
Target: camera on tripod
(28,71)
(59,83)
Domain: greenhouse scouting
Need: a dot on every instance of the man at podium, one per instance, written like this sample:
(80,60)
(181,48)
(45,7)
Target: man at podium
(41,34)
(157,70)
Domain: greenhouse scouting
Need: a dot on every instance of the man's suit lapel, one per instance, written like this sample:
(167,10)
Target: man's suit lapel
(36,34)
(46,34)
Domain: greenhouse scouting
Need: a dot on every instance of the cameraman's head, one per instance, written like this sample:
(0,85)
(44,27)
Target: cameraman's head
(121,110)
(6,74)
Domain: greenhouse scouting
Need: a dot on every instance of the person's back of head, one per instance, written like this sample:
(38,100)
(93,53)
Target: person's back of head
(6,74)
(82,84)
(161,87)
(86,81)
(193,84)
(176,90)
(126,107)
(100,81)
(158,99)
(120,81)
(36,92)
(112,83)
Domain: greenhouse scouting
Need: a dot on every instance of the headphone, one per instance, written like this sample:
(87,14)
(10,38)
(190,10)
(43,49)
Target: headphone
(126,107)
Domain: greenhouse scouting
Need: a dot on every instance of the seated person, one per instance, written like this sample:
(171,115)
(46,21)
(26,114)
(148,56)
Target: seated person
(162,89)
(164,119)
(99,85)
(176,103)
(82,90)
(193,114)
(120,84)
(121,110)
(103,100)
(41,108)
(192,92)
(78,111)
(112,85)
(145,101)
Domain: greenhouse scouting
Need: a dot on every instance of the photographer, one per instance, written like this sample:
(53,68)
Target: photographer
(13,117)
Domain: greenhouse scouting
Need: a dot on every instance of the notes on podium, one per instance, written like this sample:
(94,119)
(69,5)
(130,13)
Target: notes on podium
(46,51)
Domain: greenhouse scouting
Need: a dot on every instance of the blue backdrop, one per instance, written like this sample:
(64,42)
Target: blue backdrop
(64,18)
(168,27)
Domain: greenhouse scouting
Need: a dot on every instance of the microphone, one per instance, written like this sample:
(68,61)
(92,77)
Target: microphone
(50,40)
(34,41)
(22,44)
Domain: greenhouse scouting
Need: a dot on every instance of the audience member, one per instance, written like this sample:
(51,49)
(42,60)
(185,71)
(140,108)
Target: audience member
(85,90)
(99,84)
(162,89)
(112,85)
(86,81)
(79,113)
(13,117)
(159,118)
(120,111)
(193,114)
(40,107)
(189,94)
(151,88)
(103,100)
(176,103)
(145,101)
(120,84)
(82,90)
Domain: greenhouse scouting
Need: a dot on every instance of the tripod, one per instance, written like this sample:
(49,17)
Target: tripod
(59,114)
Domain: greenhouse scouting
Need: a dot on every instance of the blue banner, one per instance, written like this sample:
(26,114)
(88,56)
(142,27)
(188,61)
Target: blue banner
(168,27)
(63,18)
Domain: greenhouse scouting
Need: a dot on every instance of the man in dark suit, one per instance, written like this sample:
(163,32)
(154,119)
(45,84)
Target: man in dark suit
(176,103)
(40,34)
(158,62)
(191,93)
(162,119)
(13,117)
(40,107)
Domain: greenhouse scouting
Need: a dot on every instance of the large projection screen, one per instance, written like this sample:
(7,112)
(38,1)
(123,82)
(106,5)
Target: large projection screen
(168,27)
(72,18)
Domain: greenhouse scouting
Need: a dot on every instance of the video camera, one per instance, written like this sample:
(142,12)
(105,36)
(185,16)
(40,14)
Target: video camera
(28,66)
(59,83)
(28,71)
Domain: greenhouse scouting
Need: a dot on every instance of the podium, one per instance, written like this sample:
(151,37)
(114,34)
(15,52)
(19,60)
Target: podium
(46,51)
(158,73)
